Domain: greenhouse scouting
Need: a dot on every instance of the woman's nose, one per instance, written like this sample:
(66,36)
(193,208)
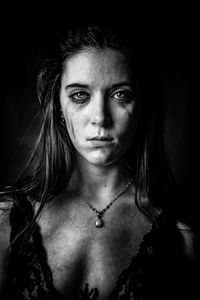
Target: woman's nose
(101,115)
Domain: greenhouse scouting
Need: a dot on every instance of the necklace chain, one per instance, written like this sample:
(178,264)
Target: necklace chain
(100,213)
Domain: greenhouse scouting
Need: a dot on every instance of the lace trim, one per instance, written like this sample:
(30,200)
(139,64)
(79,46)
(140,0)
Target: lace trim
(88,294)
(32,278)
(130,283)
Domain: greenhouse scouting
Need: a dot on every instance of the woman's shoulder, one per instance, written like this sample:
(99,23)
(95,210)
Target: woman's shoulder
(183,233)
(6,203)
(5,208)
(189,240)
(177,233)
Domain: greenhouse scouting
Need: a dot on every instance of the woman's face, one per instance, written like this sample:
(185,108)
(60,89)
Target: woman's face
(99,105)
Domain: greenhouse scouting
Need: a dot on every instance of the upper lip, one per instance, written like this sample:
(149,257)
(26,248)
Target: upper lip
(100,138)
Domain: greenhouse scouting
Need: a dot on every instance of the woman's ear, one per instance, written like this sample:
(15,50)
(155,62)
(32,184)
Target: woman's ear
(62,118)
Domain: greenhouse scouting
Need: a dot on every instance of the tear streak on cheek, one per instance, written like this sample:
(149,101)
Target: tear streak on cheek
(70,129)
(130,111)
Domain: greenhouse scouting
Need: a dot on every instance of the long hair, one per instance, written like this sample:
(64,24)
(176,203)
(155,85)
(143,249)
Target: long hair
(51,163)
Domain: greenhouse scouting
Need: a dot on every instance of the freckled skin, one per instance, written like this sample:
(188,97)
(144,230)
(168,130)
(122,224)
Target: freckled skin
(97,98)
(101,114)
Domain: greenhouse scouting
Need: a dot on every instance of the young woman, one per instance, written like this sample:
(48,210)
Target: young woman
(94,215)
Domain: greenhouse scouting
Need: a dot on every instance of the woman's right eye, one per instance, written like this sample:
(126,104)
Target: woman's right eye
(79,97)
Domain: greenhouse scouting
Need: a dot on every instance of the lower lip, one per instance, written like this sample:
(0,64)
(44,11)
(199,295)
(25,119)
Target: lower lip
(101,143)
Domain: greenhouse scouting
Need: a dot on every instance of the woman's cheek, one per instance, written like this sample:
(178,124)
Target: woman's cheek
(126,113)
(130,108)
(70,128)
(76,129)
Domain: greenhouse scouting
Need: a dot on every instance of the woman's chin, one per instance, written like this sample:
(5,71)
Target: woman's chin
(100,160)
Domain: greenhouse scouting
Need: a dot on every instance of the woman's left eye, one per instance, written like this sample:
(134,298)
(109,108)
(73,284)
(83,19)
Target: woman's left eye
(123,95)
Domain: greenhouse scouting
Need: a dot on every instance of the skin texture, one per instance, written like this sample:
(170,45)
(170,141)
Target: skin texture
(97,98)
(78,252)
(101,102)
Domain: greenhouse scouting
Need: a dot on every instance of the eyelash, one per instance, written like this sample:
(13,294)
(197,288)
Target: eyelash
(74,98)
(128,96)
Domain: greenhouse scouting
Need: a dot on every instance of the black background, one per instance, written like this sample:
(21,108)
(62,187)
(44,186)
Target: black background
(169,33)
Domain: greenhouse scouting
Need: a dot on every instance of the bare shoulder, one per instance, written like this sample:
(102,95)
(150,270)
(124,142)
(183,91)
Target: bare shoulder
(4,228)
(188,238)
(5,207)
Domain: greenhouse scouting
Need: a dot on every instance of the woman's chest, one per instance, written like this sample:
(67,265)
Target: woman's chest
(80,253)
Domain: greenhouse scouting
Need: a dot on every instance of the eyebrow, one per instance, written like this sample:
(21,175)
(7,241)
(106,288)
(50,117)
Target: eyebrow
(86,86)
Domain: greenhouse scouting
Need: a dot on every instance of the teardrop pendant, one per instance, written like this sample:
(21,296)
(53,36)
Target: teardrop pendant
(98,223)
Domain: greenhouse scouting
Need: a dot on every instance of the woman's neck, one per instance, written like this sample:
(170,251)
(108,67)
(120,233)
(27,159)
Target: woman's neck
(100,183)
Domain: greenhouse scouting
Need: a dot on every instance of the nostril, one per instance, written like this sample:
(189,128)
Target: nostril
(107,121)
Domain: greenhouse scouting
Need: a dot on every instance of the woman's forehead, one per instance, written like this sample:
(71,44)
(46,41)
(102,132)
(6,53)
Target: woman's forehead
(92,66)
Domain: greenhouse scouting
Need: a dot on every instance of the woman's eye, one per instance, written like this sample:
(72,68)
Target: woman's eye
(79,97)
(123,96)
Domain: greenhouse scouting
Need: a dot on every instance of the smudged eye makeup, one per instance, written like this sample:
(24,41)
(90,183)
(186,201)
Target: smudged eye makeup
(79,97)
(122,95)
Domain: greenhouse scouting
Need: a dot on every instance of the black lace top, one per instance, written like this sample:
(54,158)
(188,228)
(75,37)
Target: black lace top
(158,270)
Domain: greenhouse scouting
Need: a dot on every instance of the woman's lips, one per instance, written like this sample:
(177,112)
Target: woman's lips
(101,141)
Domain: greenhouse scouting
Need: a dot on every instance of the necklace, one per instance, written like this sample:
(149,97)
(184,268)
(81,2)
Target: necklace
(100,213)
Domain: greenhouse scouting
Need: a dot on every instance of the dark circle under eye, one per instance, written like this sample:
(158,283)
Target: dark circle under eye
(79,97)
(122,95)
